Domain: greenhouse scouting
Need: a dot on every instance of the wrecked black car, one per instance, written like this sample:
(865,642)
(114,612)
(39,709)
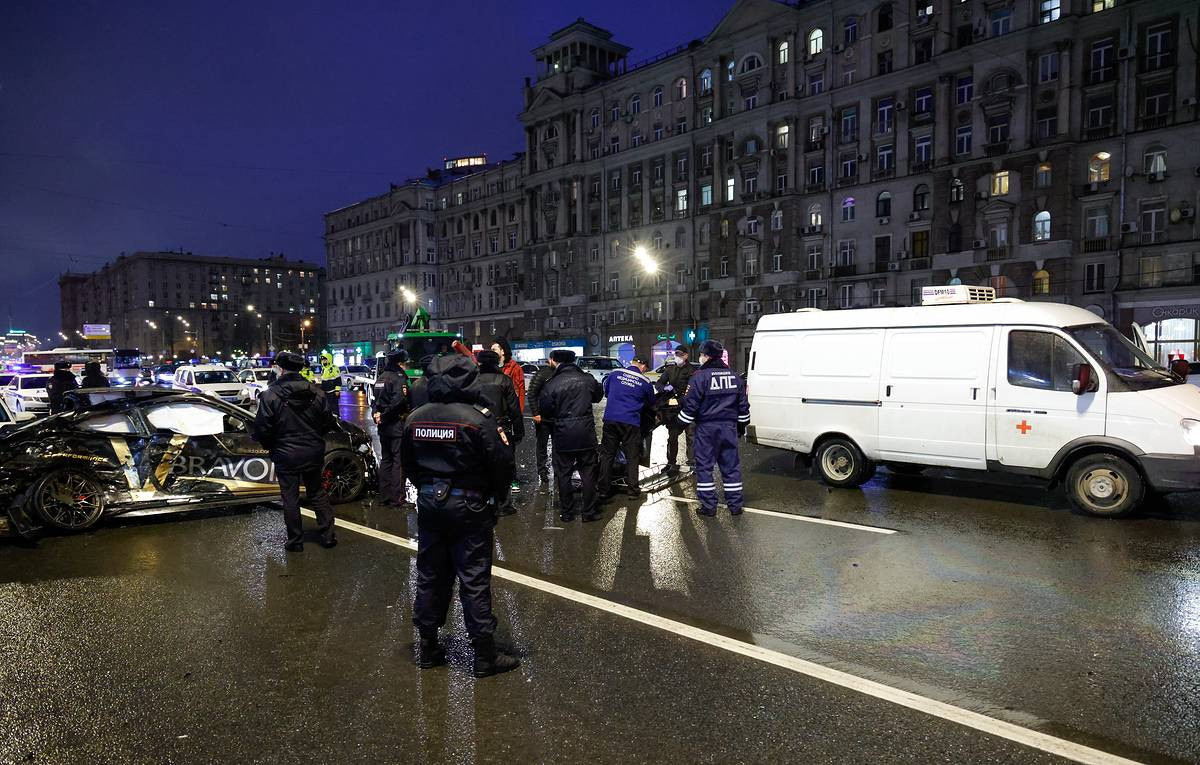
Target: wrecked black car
(151,450)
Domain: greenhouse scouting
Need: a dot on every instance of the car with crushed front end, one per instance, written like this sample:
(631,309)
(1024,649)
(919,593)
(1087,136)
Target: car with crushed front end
(142,451)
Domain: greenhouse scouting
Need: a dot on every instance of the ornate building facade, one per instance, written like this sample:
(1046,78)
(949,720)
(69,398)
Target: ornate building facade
(835,156)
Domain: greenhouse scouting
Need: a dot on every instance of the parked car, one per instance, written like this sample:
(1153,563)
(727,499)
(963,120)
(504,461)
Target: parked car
(152,449)
(164,374)
(211,379)
(254,381)
(598,366)
(10,419)
(1035,389)
(27,393)
(357,377)
(1194,373)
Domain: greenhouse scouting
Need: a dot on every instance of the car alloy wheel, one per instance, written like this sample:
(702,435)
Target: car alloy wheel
(68,500)
(343,478)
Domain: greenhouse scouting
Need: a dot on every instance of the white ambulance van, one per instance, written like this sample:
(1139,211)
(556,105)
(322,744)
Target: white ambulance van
(969,381)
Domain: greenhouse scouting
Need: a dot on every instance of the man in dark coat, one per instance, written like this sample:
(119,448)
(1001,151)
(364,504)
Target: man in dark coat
(566,401)
(541,427)
(390,405)
(292,420)
(497,389)
(93,377)
(671,385)
(454,451)
(61,381)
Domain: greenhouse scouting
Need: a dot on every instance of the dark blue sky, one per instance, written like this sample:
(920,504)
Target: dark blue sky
(160,121)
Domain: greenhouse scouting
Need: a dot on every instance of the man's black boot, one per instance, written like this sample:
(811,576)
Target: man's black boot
(490,661)
(430,653)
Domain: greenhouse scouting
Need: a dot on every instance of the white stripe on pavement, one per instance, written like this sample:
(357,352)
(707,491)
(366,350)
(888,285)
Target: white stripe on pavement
(940,709)
(790,516)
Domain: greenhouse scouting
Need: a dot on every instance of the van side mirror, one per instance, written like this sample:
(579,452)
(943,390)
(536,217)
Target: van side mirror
(1084,380)
(1181,369)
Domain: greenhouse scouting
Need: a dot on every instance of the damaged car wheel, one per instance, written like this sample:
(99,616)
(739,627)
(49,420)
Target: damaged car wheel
(68,500)
(343,477)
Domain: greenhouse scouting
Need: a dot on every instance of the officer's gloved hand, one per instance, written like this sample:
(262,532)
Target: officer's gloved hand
(742,429)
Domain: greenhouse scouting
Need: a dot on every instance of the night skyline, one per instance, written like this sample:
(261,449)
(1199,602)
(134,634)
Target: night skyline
(229,130)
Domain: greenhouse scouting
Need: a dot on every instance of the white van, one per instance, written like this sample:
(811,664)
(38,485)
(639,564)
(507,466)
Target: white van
(965,381)
(215,380)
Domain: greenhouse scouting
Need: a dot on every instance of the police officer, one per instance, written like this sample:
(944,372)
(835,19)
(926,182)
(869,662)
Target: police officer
(61,381)
(670,386)
(390,405)
(630,400)
(454,451)
(329,378)
(291,422)
(93,377)
(716,402)
(541,428)
(566,400)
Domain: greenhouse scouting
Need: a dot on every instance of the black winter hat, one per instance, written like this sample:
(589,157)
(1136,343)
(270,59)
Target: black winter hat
(290,362)
(562,355)
(711,349)
(488,358)
(396,356)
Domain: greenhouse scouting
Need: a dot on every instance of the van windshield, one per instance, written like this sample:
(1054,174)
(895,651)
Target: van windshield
(1121,357)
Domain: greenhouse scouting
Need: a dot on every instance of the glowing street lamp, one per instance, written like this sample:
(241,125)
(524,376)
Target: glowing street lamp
(650,266)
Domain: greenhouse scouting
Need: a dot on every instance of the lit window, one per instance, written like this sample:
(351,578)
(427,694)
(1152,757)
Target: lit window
(816,42)
(1048,10)
(729,189)
(1000,183)
(848,209)
(1044,176)
(814,215)
(783,52)
(1041,227)
(1156,163)
(1098,167)
(781,137)
(1041,282)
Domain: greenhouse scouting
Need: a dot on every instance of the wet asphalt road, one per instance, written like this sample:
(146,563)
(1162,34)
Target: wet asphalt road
(196,639)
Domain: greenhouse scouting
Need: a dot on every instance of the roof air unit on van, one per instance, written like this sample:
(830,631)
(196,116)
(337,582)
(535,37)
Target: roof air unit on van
(956,294)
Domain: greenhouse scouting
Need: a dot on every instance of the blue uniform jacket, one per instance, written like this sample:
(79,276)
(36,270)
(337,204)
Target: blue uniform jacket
(629,395)
(715,394)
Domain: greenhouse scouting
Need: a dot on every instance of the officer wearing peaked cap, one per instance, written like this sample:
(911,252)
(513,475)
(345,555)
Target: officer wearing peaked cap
(716,403)
(454,451)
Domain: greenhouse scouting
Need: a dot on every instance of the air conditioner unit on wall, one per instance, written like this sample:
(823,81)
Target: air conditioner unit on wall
(1129,228)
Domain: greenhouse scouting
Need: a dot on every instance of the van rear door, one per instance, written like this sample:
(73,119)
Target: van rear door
(933,391)
(1033,411)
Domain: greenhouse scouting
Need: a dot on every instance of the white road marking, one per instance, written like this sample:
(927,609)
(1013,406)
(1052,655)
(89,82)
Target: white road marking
(940,709)
(790,516)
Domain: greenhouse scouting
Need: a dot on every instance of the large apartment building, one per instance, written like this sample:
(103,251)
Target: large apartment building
(838,155)
(179,304)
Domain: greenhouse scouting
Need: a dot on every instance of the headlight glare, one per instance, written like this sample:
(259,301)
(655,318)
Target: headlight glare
(1191,431)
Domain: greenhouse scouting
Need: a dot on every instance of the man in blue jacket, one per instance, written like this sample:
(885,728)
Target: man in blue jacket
(630,398)
(716,403)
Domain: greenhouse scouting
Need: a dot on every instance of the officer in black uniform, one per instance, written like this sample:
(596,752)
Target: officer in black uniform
(390,406)
(292,420)
(454,451)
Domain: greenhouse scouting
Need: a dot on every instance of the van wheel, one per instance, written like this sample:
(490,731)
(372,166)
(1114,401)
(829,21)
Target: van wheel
(840,463)
(1105,485)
